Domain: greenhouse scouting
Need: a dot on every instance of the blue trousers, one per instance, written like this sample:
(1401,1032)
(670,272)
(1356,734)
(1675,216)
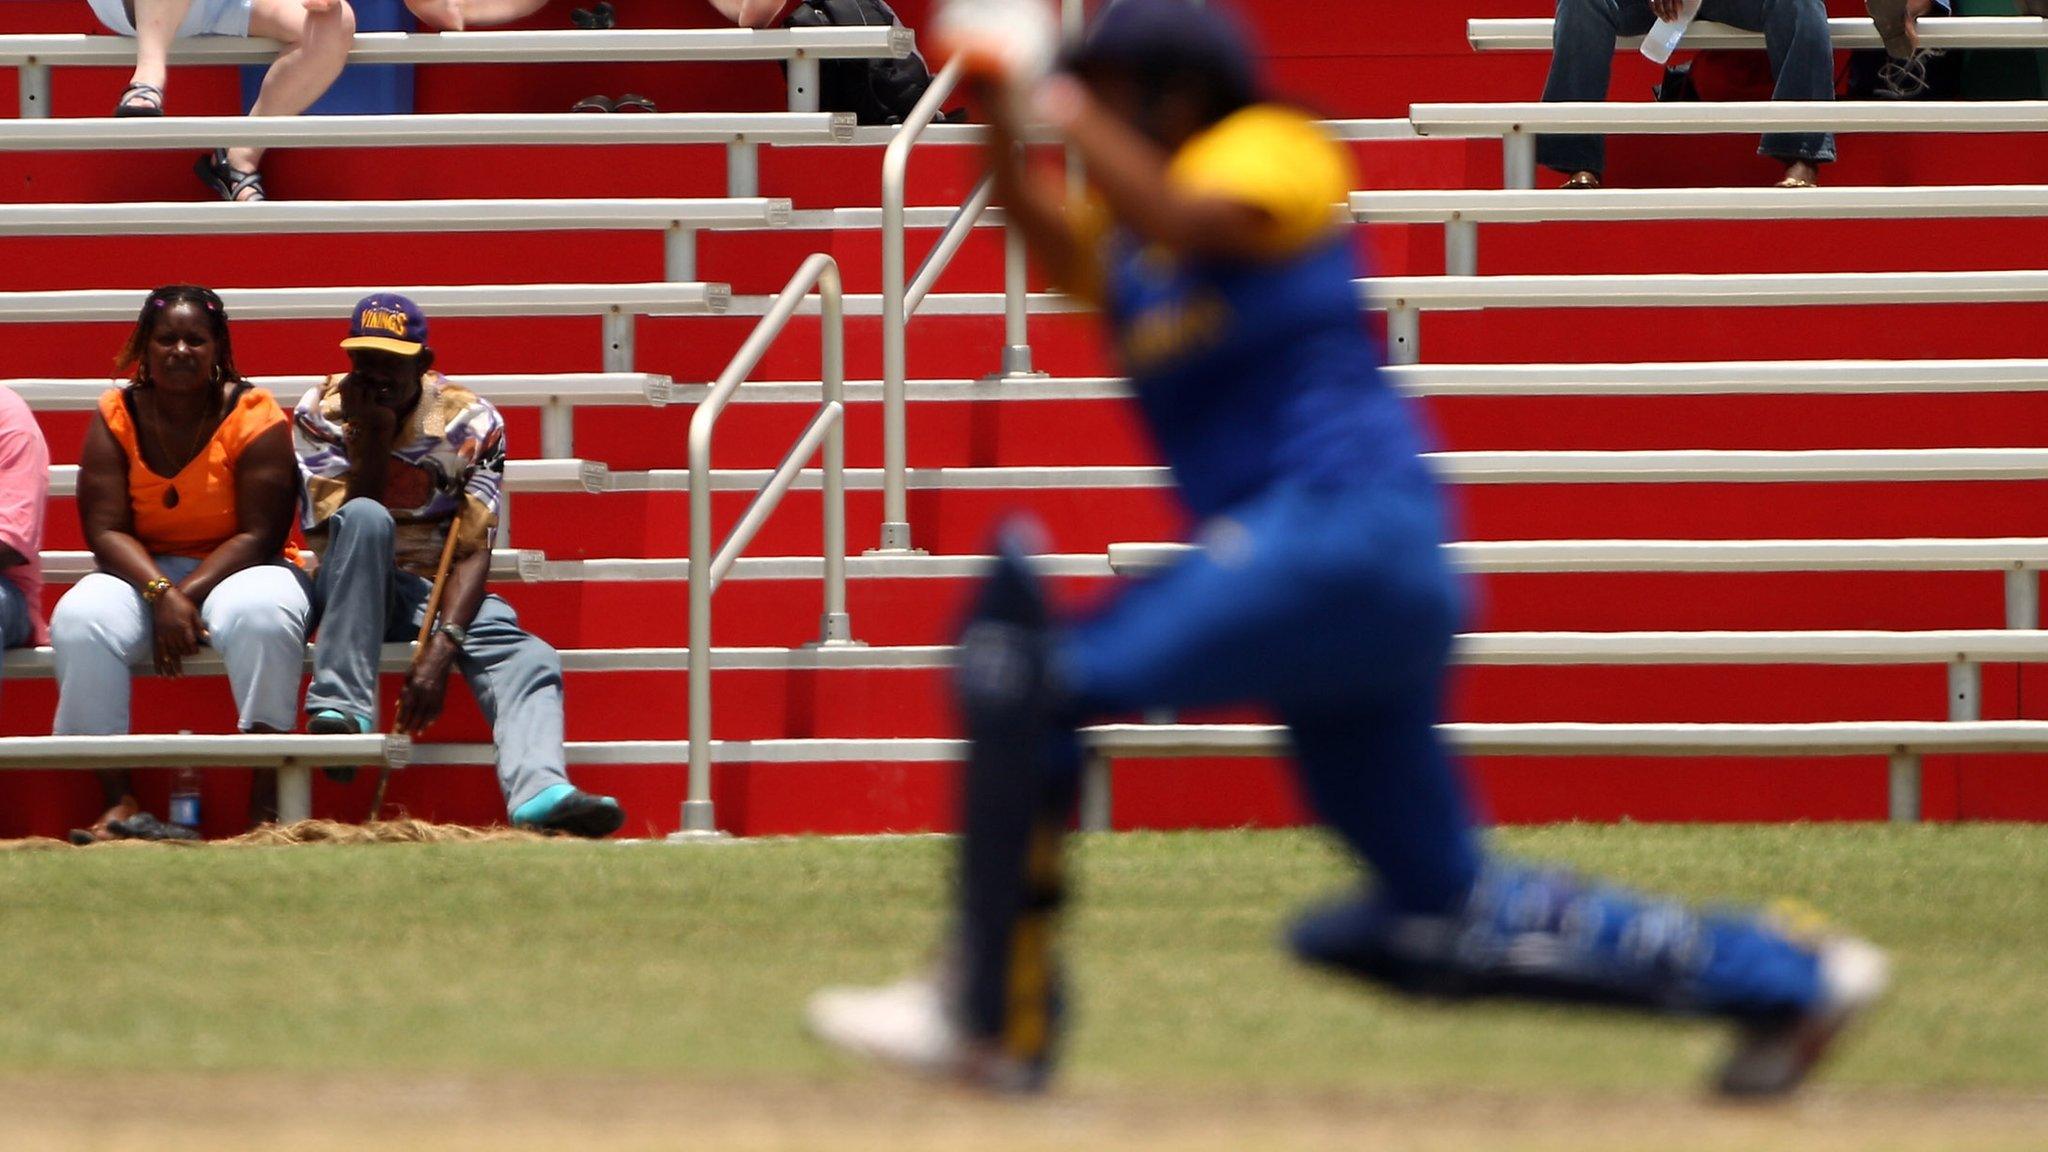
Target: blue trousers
(1582,57)
(1336,607)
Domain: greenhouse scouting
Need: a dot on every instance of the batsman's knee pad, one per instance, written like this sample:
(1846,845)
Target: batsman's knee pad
(1521,932)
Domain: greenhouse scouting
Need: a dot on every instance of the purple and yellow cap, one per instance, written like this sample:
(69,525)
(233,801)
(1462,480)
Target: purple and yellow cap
(387,322)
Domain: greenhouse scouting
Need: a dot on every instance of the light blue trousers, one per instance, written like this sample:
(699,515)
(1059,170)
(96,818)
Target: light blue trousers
(256,618)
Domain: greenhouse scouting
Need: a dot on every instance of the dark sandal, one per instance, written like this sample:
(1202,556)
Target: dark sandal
(595,18)
(227,181)
(143,826)
(153,95)
(594,104)
(634,102)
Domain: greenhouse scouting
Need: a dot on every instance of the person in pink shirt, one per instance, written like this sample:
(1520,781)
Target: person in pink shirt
(24,490)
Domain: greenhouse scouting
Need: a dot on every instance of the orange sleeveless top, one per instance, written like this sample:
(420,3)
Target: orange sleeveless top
(201,517)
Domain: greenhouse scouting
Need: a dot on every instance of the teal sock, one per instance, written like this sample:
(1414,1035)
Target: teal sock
(539,807)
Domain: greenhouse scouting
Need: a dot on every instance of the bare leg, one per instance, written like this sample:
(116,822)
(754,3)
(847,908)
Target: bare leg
(156,25)
(119,799)
(750,13)
(456,15)
(320,33)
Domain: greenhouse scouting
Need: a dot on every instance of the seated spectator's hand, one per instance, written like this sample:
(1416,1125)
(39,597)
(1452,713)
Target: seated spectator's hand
(178,631)
(425,691)
(1667,9)
(370,420)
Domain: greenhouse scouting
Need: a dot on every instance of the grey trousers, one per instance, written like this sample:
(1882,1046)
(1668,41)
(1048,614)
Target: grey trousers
(1582,58)
(364,601)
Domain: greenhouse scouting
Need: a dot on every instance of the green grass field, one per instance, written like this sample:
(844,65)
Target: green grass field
(686,966)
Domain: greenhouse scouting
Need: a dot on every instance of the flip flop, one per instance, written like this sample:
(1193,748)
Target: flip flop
(594,104)
(634,102)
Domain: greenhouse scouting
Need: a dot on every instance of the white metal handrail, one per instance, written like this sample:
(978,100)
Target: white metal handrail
(707,569)
(895,313)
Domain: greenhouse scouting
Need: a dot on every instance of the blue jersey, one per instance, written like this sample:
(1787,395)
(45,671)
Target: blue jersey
(1251,372)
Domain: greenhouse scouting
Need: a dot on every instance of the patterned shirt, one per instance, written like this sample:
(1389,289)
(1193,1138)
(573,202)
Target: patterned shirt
(448,463)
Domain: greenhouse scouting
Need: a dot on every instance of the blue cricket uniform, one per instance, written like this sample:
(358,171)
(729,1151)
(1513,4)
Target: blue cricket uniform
(1323,592)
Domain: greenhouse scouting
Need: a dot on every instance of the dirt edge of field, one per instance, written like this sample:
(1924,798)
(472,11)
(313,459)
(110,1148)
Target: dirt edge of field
(398,1114)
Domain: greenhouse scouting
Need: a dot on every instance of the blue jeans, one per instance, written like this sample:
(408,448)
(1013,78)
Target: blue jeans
(1795,35)
(1335,607)
(15,625)
(365,601)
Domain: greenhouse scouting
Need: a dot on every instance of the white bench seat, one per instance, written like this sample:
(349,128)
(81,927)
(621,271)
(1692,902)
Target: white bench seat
(595,46)
(1461,212)
(1727,377)
(1846,32)
(278,217)
(1517,125)
(421,130)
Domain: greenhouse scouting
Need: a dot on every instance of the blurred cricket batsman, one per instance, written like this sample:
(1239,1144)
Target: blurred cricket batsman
(1212,247)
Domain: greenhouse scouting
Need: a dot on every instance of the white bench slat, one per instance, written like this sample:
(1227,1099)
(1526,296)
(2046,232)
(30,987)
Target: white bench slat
(470,300)
(1481,121)
(1660,290)
(1844,32)
(1493,206)
(1835,738)
(2001,554)
(490,47)
(34,752)
(395,216)
(1722,377)
(443,130)
(506,391)
(1874,465)
(1706,290)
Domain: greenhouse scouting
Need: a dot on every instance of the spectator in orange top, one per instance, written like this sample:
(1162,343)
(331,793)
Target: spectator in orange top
(186,491)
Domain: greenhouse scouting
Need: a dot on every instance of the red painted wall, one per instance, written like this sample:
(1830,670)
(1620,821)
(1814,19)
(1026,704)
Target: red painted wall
(1344,59)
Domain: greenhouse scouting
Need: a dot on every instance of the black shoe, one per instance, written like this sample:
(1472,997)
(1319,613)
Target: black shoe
(594,18)
(579,814)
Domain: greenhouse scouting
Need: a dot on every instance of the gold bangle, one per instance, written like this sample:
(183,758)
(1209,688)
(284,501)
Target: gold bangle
(155,589)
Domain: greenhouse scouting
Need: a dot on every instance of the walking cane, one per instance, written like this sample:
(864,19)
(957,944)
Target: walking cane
(419,647)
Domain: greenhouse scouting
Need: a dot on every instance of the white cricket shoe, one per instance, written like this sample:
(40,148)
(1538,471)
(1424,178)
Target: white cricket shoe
(905,1024)
(1775,1059)
(908,1025)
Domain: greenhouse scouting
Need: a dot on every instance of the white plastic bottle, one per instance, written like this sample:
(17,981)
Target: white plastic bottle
(1664,37)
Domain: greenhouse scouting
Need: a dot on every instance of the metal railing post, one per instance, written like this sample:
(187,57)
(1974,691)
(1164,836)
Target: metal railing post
(742,168)
(2022,598)
(1518,160)
(1903,799)
(1404,335)
(826,433)
(34,86)
(1461,248)
(803,82)
(679,254)
(557,429)
(1965,691)
(294,793)
(1016,324)
(1096,807)
(618,341)
(895,181)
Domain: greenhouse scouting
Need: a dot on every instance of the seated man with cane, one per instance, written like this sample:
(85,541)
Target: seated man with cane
(403,470)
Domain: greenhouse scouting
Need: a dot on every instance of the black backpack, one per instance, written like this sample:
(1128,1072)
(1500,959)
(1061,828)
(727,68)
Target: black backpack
(876,91)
